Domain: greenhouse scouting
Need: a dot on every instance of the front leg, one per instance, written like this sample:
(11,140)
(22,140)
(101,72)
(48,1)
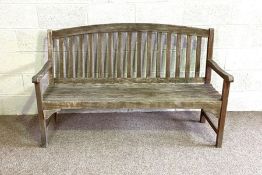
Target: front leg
(41,116)
(43,129)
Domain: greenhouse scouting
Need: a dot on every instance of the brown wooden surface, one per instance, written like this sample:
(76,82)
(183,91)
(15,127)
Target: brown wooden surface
(198,55)
(168,47)
(80,57)
(159,50)
(188,56)
(149,54)
(214,66)
(130,27)
(90,55)
(209,54)
(139,47)
(50,55)
(85,86)
(178,55)
(129,60)
(132,95)
(61,55)
(118,60)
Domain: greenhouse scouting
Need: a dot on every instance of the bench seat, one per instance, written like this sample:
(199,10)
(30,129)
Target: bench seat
(131,66)
(131,95)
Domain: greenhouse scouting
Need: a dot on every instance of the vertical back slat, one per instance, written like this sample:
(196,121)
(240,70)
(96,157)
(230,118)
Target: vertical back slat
(109,56)
(188,56)
(61,57)
(50,55)
(56,61)
(70,58)
(129,61)
(159,50)
(139,47)
(118,60)
(168,48)
(80,57)
(99,54)
(198,54)
(90,55)
(149,53)
(178,55)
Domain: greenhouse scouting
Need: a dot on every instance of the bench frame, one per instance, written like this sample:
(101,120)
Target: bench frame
(44,117)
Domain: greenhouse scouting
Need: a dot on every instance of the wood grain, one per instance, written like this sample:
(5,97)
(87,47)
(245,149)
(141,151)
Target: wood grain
(198,55)
(149,53)
(178,55)
(159,53)
(61,57)
(130,27)
(188,56)
(168,47)
(139,48)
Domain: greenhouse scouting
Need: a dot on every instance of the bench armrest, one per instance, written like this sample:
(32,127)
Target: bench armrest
(41,73)
(226,76)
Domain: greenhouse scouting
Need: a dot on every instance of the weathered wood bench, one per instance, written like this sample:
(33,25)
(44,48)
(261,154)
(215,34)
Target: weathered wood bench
(131,66)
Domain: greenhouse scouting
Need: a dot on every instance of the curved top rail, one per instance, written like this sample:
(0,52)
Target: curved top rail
(129,27)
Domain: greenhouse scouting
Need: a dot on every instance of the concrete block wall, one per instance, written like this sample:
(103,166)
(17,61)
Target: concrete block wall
(238,39)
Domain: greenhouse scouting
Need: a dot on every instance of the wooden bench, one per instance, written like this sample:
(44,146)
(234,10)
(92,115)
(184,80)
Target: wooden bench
(131,66)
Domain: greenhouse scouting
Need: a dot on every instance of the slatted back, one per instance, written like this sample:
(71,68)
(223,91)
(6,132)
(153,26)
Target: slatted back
(130,51)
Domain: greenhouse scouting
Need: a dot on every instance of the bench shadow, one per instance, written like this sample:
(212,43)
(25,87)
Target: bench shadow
(167,129)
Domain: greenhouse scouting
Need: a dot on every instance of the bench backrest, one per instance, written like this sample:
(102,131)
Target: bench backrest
(139,52)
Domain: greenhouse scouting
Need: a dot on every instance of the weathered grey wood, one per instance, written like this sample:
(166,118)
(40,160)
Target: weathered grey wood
(137,80)
(198,55)
(99,55)
(178,55)
(118,60)
(70,58)
(129,61)
(61,57)
(130,27)
(50,56)
(159,53)
(205,116)
(132,95)
(209,54)
(80,57)
(107,83)
(90,55)
(41,73)
(188,55)
(109,56)
(42,121)
(149,53)
(222,117)
(56,58)
(139,47)
(168,47)
(214,66)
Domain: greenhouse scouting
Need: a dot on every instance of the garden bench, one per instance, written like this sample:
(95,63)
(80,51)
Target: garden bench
(131,66)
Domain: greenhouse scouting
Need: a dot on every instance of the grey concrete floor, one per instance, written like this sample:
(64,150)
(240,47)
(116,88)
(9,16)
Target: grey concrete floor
(131,143)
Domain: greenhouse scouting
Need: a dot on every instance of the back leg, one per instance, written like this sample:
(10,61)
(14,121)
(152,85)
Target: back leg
(202,118)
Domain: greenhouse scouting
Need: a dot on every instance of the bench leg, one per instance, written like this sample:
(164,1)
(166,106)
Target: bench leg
(56,117)
(43,129)
(222,117)
(220,131)
(202,118)
(41,116)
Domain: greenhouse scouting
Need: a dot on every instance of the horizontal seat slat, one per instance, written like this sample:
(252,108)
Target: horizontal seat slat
(132,95)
